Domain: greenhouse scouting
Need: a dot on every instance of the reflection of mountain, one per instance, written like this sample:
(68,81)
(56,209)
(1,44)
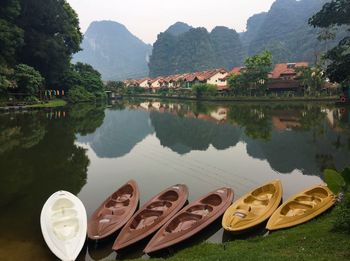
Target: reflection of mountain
(290,150)
(185,134)
(119,133)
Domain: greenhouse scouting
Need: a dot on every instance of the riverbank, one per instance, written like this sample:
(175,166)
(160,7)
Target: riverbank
(314,240)
(50,104)
(239,98)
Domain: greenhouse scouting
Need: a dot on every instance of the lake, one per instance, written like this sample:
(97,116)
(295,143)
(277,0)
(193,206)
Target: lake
(91,150)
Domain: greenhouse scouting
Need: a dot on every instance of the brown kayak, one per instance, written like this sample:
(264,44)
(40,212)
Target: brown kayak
(114,212)
(191,219)
(152,216)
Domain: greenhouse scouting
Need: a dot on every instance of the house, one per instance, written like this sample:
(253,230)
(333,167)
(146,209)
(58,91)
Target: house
(217,77)
(284,77)
(144,83)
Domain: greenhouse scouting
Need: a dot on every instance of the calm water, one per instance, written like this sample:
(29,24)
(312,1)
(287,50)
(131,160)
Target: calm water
(92,150)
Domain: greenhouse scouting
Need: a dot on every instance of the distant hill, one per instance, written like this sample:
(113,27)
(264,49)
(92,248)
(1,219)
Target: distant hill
(284,30)
(182,48)
(115,52)
(178,28)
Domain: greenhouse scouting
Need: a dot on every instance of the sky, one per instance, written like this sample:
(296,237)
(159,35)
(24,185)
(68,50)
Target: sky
(147,18)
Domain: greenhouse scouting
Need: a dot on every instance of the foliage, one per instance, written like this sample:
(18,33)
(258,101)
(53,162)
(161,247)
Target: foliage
(311,77)
(334,180)
(27,79)
(85,78)
(51,36)
(115,86)
(336,13)
(340,182)
(342,220)
(201,89)
(79,93)
(255,73)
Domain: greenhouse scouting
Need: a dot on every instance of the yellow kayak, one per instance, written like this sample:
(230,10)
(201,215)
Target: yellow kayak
(302,207)
(253,208)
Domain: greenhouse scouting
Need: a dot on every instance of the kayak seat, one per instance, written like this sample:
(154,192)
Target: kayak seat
(318,192)
(66,229)
(110,211)
(295,209)
(160,205)
(169,196)
(145,218)
(252,200)
(309,200)
(63,214)
(62,203)
(202,210)
(213,199)
(117,204)
(123,194)
(183,222)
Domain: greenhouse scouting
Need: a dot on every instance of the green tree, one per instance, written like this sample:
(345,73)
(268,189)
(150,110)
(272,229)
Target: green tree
(118,86)
(255,74)
(27,79)
(336,13)
(311,78)
(201,89)
(51,36)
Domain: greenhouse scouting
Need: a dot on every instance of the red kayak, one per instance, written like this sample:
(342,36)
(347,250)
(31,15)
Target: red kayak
(191,219)
(152,216)
(114,212)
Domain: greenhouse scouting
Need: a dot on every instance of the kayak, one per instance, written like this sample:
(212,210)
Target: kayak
(114,212)
(192,219)
(152,216)
(302,207)
(63,224)
(253,208)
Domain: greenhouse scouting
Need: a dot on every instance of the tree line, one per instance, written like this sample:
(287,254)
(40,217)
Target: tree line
(38,39)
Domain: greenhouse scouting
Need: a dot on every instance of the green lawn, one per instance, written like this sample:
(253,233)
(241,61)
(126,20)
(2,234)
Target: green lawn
(311,241)
(50,104)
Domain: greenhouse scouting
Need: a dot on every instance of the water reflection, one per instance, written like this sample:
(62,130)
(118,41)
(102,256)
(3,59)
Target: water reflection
(37,157)
(90,151)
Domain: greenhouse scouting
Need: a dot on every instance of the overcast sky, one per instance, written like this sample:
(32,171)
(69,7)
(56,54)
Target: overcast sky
(147,18)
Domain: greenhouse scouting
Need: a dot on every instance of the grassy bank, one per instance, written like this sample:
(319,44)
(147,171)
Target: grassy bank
(239,98)
(311,241)
(50,104)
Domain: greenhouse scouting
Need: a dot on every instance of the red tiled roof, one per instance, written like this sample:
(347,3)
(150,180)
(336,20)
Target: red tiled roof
(286,68)
(236,70)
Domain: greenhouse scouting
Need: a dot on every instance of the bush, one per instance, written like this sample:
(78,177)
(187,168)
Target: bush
(28,79)
(78,94)
(32,99)
(342,216)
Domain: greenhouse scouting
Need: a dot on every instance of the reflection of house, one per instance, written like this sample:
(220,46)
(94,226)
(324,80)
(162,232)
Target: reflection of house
(220,114)
(286,120)
(284,77)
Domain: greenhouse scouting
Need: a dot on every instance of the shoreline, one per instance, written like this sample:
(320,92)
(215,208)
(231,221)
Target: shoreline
(332,99)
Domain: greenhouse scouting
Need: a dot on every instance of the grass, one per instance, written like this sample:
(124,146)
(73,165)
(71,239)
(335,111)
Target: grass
(50,104)
(311,241)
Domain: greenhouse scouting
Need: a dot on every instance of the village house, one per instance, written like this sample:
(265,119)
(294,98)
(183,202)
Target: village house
(284,77)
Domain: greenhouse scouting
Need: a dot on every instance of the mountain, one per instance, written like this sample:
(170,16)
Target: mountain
(182,49)
(115,52)
(284,30)
(178,28)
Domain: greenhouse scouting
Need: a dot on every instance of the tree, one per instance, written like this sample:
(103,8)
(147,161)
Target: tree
(115,86)
(255,74)
(10,34)
(201,89)
(51,36)
(27,79)
(336,13)
(312,78)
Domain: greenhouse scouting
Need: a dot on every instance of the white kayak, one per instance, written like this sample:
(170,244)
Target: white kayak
(63,223)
